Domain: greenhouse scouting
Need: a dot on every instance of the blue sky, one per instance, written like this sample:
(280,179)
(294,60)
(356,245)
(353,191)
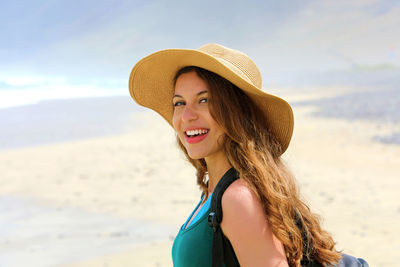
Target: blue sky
(96,43)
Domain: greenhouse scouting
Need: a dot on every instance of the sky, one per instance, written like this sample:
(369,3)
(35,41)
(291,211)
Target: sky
(79,48)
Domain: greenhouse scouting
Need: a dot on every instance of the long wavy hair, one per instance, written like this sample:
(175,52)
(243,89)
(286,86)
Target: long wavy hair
(254,152)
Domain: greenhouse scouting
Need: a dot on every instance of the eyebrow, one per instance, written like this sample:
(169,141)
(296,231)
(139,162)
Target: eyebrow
(199,93)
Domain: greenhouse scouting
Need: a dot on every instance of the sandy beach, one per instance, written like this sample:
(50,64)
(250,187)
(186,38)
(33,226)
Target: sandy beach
(118,199)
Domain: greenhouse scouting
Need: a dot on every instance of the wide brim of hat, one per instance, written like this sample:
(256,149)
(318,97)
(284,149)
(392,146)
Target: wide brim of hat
(151,85)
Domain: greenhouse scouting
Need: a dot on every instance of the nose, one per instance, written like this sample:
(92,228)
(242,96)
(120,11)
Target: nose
(189,114)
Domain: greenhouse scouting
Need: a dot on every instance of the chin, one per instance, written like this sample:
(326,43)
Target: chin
(194,155)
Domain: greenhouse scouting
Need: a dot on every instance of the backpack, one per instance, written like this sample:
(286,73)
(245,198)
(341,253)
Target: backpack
(222,250)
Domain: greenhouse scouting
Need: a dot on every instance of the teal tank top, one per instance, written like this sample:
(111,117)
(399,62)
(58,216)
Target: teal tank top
(193,244)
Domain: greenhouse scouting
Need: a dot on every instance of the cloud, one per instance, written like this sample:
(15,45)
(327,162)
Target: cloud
(101,40)
(106,39)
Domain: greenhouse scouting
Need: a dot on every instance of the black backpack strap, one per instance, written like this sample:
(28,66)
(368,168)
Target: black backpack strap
(230,258)
(221,246)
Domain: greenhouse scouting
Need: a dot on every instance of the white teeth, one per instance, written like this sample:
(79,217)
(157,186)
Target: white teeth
(196,132)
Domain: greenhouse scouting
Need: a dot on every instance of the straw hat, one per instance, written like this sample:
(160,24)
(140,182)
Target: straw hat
(151,83)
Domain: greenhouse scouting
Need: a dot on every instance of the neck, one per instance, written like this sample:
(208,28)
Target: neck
(216,167)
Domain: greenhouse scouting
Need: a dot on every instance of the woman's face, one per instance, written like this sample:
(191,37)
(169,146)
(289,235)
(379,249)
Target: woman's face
(201,135)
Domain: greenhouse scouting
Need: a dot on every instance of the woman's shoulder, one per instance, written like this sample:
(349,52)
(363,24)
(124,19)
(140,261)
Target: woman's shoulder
(240,208)
(239,196)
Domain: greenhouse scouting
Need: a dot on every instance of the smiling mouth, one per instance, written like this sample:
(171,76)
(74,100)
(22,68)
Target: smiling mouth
(195,133)
(196,136)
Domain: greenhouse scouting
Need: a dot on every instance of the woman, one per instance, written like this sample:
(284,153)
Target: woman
(223,120)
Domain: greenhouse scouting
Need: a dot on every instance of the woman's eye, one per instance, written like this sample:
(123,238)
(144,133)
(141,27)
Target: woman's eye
(178,103)
(203,100)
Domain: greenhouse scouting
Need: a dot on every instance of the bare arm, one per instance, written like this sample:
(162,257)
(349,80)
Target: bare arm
(245,224)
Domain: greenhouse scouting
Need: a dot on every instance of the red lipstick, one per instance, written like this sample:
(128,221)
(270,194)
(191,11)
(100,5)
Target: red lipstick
(195,139)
